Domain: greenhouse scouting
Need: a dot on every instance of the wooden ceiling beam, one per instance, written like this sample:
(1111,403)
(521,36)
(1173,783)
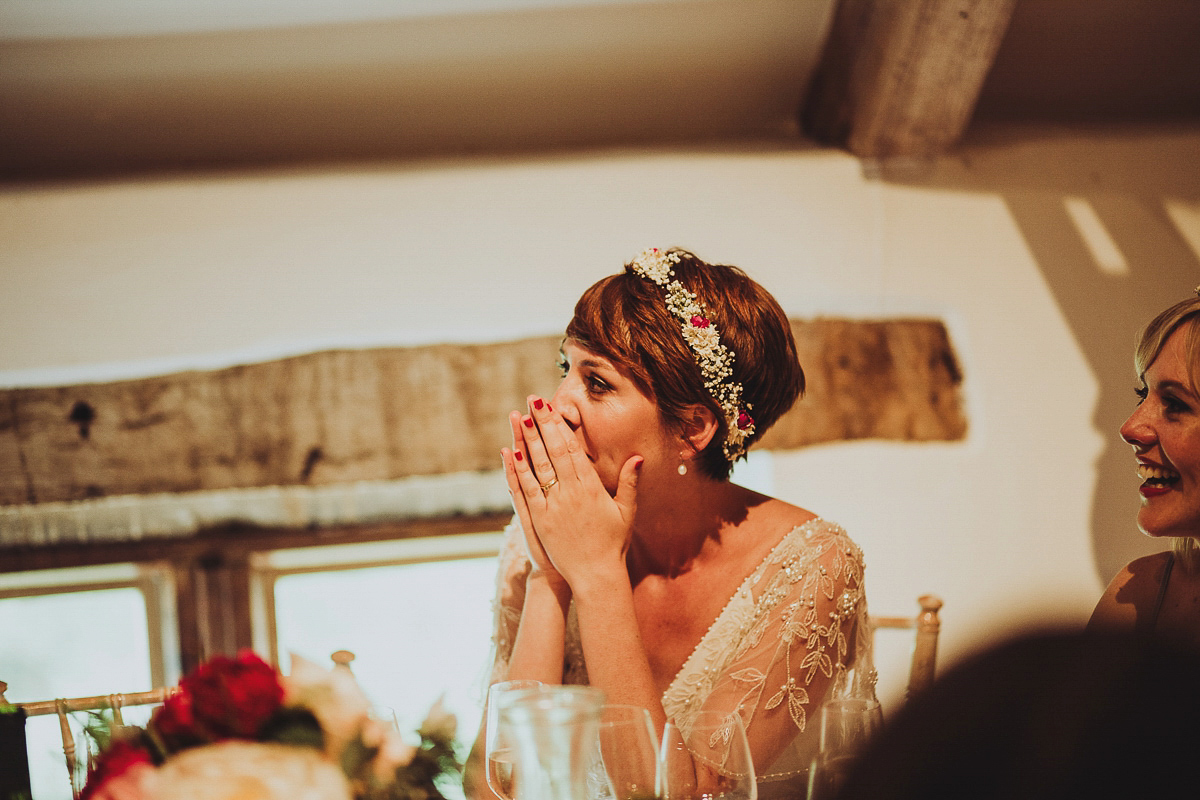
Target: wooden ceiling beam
(342,416)
(901,77)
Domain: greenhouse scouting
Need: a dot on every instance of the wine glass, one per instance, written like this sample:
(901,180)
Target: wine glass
(709,760)
(626,764)
(554,732)
(498,750)
(846,726)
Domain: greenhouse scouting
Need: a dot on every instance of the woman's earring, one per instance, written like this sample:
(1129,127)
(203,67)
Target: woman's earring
(682,468)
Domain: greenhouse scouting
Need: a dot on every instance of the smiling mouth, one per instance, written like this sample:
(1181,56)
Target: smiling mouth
(1157,477)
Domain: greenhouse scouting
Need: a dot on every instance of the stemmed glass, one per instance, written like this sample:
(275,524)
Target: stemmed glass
(498,750)
(711,761)
(626,767)
(554,731)
(846,726)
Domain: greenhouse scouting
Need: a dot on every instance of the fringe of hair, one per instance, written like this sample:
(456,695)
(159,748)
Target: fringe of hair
(1187,552)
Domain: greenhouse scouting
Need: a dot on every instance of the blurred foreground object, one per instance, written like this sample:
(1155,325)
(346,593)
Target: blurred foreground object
(1046,715)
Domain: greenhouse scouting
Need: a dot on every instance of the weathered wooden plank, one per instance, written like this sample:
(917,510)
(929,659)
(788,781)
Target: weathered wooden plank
(873,380)
(901,77)
(387,413)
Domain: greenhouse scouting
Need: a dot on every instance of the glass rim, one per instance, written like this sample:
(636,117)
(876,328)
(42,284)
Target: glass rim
(552,698)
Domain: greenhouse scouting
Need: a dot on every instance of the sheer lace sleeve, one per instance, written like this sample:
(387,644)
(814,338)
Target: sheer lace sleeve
(513,569)
(508,604)
(793,635)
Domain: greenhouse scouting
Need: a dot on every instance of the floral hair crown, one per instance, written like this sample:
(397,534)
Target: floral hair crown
(714,359)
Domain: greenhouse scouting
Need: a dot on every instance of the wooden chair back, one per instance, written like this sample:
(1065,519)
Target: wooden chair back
(927,625)
(63,707)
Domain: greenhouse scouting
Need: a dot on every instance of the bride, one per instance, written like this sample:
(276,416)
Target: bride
(633,564)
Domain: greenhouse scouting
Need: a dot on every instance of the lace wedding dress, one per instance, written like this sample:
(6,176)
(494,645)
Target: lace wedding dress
(793,635)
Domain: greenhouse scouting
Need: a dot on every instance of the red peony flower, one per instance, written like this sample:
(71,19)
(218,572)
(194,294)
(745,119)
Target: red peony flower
(224,698)
(115,761)
(175,724)
(231,698)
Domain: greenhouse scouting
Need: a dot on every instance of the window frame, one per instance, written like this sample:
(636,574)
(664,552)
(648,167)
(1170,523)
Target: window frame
(268,566)
(208,581)
(154,579)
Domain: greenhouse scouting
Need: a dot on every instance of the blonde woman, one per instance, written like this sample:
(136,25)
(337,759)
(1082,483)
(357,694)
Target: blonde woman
(1159,595)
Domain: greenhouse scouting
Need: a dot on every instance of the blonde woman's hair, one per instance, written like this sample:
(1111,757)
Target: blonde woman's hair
(1150,343)
(1154,337)
(1187,553)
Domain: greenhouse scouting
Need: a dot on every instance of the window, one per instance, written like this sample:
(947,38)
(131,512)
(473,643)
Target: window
(415,612)
(80,632)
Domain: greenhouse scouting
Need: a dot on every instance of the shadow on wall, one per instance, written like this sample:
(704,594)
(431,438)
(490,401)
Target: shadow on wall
(1092,208)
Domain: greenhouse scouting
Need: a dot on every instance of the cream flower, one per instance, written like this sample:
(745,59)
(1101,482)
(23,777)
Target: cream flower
(238,770)
(655,265)
(136,783)
(439,723)
(333,696)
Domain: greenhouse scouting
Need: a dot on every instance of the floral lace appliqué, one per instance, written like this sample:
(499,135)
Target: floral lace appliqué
(782,641)
(802,573)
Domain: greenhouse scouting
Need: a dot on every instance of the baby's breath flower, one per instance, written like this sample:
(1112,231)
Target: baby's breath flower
(714,359)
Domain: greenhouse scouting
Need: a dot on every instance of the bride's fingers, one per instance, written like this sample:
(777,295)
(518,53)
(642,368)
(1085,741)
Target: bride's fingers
(520,492)
(515,491)
(518,437)
(520,501)
(517,422)
(551,437)
(562,445)
(535,450)
(522,481)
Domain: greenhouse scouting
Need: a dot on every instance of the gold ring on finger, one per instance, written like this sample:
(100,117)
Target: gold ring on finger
(546,486)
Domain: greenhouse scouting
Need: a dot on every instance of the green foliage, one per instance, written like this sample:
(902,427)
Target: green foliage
(297,726)
(435,763)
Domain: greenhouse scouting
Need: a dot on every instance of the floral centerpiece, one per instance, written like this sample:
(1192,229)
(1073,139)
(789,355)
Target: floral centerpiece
(236,729)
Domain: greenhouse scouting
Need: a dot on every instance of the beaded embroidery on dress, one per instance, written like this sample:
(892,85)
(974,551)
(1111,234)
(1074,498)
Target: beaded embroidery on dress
(796,623)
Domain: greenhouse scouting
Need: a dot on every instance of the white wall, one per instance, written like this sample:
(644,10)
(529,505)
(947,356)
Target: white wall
(1019,524)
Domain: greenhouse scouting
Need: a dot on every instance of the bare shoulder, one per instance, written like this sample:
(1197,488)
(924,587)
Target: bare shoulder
(1131,594)
(775,514)
(765,522)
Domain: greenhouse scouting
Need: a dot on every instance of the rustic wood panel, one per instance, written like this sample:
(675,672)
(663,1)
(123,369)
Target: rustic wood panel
(873,380)
(901,77)
(387,413)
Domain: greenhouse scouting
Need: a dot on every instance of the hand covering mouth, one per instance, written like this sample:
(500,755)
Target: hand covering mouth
(1157,476)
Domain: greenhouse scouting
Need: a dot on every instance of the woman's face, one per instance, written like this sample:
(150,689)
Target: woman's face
(612,417)
(1165,433)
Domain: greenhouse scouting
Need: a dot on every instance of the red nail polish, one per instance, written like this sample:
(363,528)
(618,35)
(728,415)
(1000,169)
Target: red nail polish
(537,403)
(549,407)
(517,455)
(528,422)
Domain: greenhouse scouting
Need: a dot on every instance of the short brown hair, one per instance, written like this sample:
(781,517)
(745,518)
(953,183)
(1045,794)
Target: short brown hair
(624,318)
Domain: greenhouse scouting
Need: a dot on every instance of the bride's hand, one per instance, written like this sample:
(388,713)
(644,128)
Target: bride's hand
(542,566)
(582,529)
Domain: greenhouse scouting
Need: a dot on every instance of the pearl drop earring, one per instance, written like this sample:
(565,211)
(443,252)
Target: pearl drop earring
(682,468)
